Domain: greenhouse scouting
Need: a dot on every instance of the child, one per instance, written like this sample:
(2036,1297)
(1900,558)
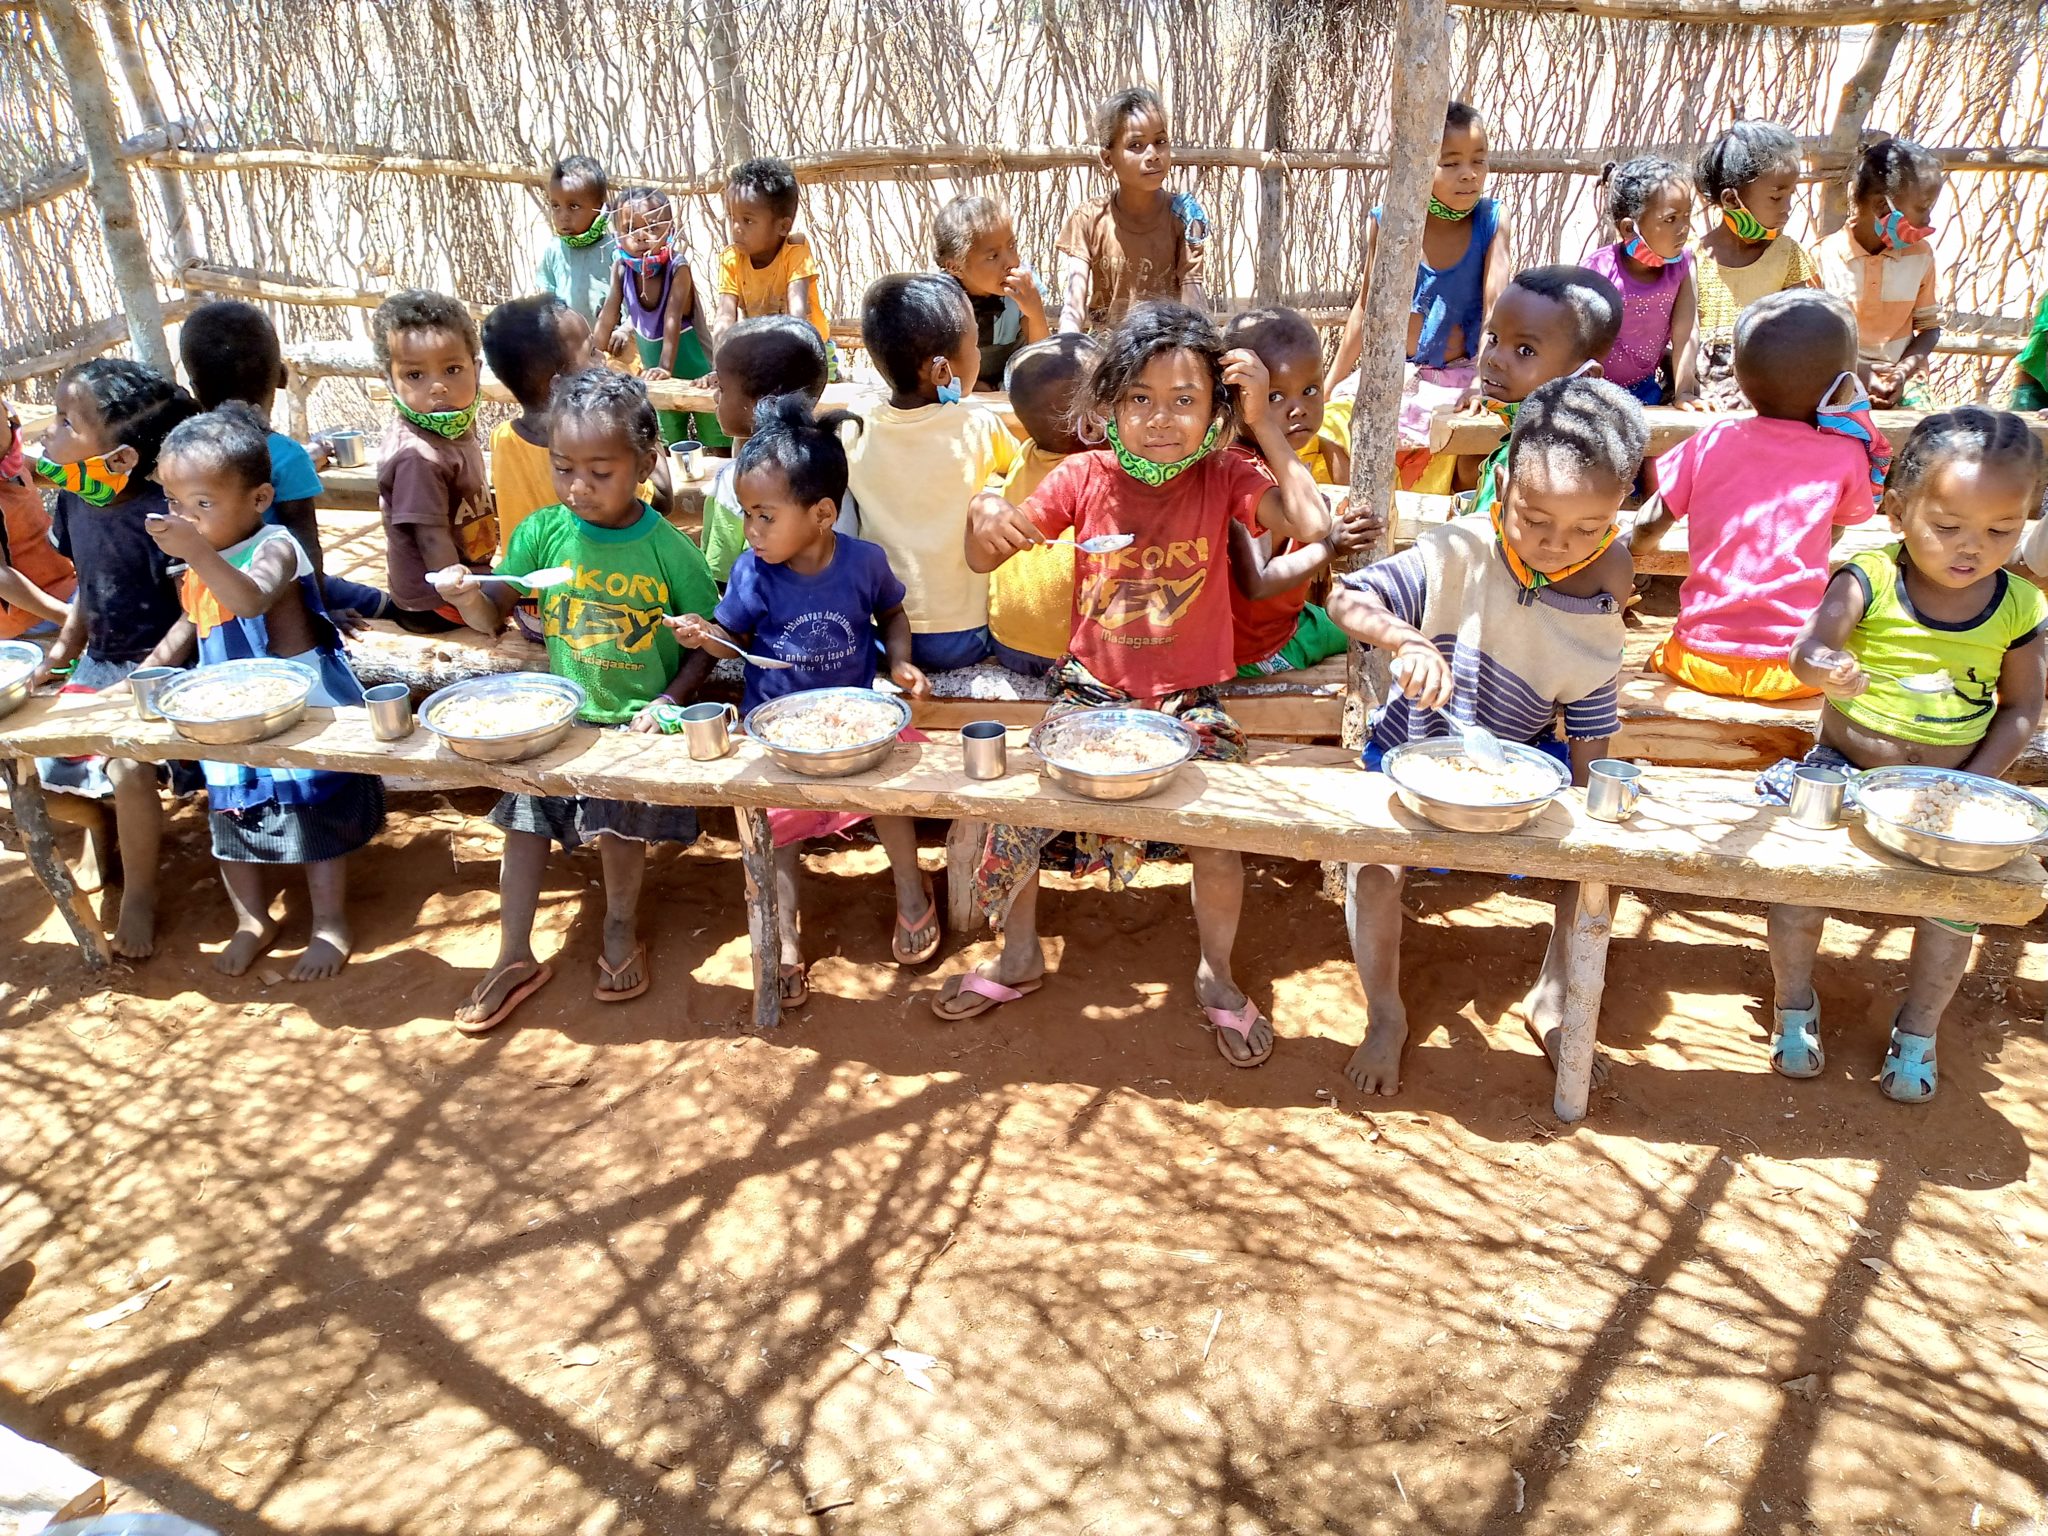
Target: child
(973,239)
(577,265)
(1151,621)
(1649,201)
(1277,627)
(249,590)
(801,593)
(1762,497)
(112,418)
(36,582)
(430,475)
(652,307)
(529,344)
(1504,623)
(1137,242)
(767,270)
(2030,368)
(1881,265)
(758,358)
(923,455)
(1747,177)
(1031,599)
(603,440)
(1960,493)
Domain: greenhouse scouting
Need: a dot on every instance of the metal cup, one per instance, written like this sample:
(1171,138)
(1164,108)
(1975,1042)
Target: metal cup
(346,448)
(984,748)
(689,458)
(1612,789)
(1817,795)
(707,730)
(145,683)
(390,707)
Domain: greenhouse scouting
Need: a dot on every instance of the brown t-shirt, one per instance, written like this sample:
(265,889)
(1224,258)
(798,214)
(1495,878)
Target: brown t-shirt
(426,481)
(1127,262)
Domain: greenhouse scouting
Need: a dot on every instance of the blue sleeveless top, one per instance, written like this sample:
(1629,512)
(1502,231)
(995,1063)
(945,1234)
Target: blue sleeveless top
(1454,298)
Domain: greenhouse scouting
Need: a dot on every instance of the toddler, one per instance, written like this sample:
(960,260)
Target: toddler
(652,307)
(36,582)
(767,270)
(1136,242)
(1939,600)
(1151,621)
(973,239)
(249,590)
(602,440)
(769,355)
(1031,597)
(529,344)
(805,594)
(2030,368)
(1747,177)
(1649,201)
(1505,623)
(922,455)
(1881,265)
(577,265)
(1762,497)
(430,475)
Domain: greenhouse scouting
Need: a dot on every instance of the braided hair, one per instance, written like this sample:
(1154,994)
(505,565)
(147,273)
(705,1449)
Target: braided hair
(1969,432)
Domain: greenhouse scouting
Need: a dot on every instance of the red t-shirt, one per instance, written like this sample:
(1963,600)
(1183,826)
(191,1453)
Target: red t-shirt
(1154,618)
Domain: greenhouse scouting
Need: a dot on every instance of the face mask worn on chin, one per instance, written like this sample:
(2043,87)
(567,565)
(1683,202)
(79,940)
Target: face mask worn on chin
(1746,225)
(91,481)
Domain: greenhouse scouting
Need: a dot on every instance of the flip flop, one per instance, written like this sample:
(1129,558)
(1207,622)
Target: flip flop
(987,993)
(607,973)
(802,992)
(1239,1022)
(904,930)
(542,975)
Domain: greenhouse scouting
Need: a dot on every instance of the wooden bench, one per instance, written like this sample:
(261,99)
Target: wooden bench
(1702,835)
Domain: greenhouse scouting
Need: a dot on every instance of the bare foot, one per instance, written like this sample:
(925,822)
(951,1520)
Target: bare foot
(1214,992)
(1375,1067)
(491,992)
(325,955)
(244,947)
(135,932)
(1551,1037)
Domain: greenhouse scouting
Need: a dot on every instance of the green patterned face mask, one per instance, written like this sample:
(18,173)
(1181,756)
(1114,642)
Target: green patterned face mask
(1439,209)
(1149,471)
(1746,225)
(599,228)
(448,424)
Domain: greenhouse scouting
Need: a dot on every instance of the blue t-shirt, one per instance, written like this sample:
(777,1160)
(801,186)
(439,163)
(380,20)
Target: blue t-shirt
(292,476)
(824,623)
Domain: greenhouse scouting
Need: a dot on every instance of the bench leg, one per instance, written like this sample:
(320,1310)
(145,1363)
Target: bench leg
(1585,975)
(964,842)
(757,857)
(299,392)
(32,815)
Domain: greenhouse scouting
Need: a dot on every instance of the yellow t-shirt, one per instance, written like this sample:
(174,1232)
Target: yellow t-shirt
(1031,597)
(765,290)
(522,480)
(912,474)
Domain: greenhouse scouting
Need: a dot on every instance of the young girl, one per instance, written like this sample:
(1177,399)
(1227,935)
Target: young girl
(1506,623)
(1747,178)
(803,594)
(112,418)
(577,266)
(1649,201)
(1137,242)
(1151,621)
(1881,265)
(1960,492)
(973,239)
(250,590)
(768,355)
(603,440)
(653,307)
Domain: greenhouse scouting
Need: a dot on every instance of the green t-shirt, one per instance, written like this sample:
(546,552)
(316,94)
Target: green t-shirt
(604,628)
(725,526)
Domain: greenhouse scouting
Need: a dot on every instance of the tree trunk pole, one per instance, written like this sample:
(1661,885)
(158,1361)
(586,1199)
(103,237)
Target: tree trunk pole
(32,816)
(1585,978)
(1853,110)
(1273,182)
(93,105)
(757,858)
(170,187)
(728,82)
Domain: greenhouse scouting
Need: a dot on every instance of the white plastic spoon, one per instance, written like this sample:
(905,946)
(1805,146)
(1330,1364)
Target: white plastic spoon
(536,581)
(1930,684)
(1107,543)
(1480,744)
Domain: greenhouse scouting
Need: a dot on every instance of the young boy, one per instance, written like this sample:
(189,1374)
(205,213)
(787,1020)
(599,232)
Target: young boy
(529,343)
(430,476)
(757,359)
(577,265)
(1504,623)
(767,270)
(1031,598)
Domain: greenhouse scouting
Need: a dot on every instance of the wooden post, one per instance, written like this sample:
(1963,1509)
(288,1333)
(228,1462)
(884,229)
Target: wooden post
(32,815)
(170,187)
(1851,113)
(728,83)
(964,842)
(1266,283)
(127,253)
(1585,977)
(757,857)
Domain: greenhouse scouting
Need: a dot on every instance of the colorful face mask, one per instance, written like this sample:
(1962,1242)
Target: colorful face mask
(448,424)
(656,260)
(1193,218)
(949,392)
(1439,209)
(1635,250)
(1527,577)
(1746,225)
(1147,471)
(1897,234)
(1845,411)
(92,482)
(599,228)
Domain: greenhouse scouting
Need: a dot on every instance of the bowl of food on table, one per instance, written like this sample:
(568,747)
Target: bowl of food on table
(827,733)
(1947,819)
(1113,753)
(232,703)
(18,663)
(1442,783)
(505,718)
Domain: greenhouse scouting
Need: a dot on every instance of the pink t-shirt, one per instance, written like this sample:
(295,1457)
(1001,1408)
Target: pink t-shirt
(1762,499)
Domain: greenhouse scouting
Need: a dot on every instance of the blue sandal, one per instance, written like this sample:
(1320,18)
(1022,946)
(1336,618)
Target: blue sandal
(1795,1047)
(1908,1076)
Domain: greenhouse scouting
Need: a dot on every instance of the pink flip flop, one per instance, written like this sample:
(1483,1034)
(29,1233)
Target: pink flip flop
(986,994)
(1239,1022)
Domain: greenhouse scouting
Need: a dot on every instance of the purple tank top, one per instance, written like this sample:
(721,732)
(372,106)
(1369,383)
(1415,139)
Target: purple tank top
(646,319)
(1645,314)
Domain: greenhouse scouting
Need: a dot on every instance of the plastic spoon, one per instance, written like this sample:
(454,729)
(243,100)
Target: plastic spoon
(1107,543)
(1480,744)
(769,662)
(1930,684)
(536,581)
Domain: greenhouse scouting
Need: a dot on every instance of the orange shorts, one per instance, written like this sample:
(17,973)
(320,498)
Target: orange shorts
(1731,677)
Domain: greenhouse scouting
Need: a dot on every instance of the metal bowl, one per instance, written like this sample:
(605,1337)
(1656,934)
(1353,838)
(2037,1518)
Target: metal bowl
(835,762)
(18,663)
(1462,816)
(1055,740)
(507,746)
(237,730)
(1940,850)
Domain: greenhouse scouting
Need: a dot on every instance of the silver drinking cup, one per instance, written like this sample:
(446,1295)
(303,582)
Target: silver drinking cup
(984,748)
